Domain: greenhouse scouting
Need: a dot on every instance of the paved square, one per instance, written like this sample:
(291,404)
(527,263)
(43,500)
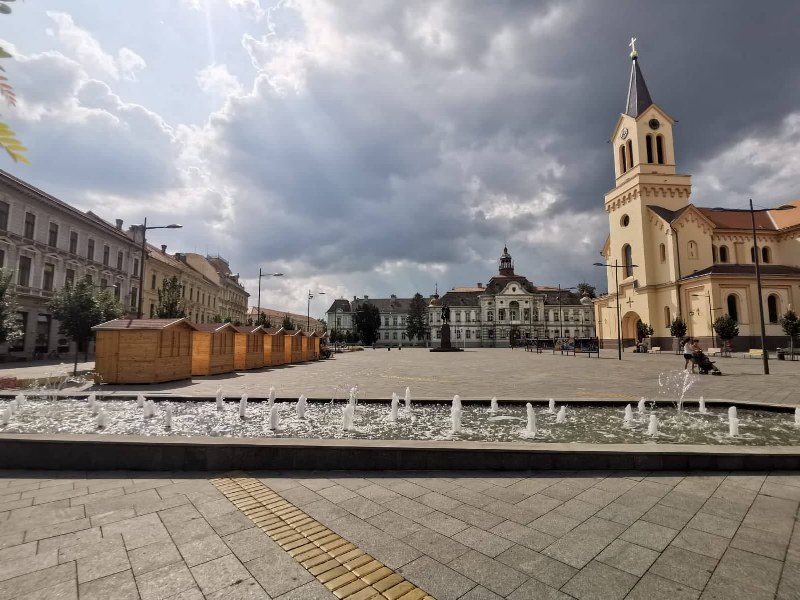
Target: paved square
(176,535)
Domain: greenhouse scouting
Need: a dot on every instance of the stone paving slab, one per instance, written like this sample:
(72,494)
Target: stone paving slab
(176,535)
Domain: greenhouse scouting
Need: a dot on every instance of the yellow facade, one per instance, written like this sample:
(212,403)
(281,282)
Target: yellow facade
(678,259)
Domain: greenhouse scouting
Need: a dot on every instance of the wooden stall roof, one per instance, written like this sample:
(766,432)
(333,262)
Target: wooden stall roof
(129,324)
(274,330)
(313,334)
(249,328)
(213,327)
(292,332)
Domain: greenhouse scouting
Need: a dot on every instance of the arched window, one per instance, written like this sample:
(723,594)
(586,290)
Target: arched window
(772,308)
(723,254)
(660,149)
(649,144)
(667,317)
(630,154)
(662,252)
(622,159)
(627,259)
(765,254)
(733,307)
(714,255)
(692,250)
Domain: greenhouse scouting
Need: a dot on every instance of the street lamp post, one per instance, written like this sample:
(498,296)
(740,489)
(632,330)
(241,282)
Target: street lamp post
(145,229)
(308,307)
(260,275)
(707,296)
(753,212)
(616,266)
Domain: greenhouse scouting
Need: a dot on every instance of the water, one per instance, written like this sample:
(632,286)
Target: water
(591,424)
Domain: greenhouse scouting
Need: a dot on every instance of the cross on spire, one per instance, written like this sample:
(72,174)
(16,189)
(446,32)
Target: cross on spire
(629,302)
(634,54)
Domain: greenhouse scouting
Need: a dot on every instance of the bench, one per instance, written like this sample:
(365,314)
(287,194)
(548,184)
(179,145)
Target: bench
(714,351)
(759,353)
(655,349)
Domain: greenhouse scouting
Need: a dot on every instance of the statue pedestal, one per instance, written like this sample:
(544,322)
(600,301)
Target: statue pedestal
(446,345)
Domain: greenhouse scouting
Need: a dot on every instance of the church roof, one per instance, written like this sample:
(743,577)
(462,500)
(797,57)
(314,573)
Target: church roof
(454,298)
(638,94)
(727,269)
(498,283)
(772,220)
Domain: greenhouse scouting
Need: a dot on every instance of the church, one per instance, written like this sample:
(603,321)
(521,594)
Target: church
(666,257)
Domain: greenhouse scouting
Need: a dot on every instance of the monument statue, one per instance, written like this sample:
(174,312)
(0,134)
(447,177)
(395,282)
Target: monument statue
(445,313)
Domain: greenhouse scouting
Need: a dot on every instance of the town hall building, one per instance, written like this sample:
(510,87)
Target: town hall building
(666,257)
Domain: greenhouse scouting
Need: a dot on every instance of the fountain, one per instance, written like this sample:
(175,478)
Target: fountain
(12,407)
(301,407)
(274,418)
(102,420)
(561,417)
(732,414)
(6,416)
(271,400)
(628,420)
(652,429)
(243,406)
(347,417)
(733,427)
(456,403)
(95,406)
(21,399)
(220,399)
(149,409)
(640,406)
(530,429)
(395,408)
(140,401)
(797,416)
(551,406)
(408,399)
(703,410)
(493,408)
(675,384)
(455,417)
(168,418)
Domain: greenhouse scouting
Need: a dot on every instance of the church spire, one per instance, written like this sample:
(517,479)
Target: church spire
(638,94)
(506,263)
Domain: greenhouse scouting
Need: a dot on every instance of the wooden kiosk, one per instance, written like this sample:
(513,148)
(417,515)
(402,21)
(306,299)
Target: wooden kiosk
(311,346)
(293,346)
(212,348)
(143,350)
(274,347)
(248,347)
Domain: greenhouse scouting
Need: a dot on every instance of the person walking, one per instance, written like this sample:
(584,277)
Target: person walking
(688,352)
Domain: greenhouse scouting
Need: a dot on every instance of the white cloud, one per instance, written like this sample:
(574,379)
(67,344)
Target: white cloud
(217,80)
(87,51)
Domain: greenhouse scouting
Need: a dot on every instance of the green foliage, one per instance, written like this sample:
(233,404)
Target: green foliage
(643,330)
(367,322)
(217,319)
(10,325)
(8,140)
(726,327)
(263,320)
(677,328)
(790,323)
(287,323)
(333,336)
(170,301)
(416,323)
(586,288)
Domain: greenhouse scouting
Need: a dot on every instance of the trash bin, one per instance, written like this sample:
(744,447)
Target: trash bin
(781,354)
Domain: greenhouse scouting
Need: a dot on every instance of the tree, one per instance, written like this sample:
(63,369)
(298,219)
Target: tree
(263,320)
(10,325)
(78,310)
(415,324)
(170,301)
(677,329)
(287,323)
(8,141)
(217,319)
(726,327)
(367,322)
(790,323)
(585,288)
(643,330)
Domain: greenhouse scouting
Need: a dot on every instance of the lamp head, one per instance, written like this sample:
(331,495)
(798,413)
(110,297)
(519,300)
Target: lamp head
(600,265)
(785,207)
(174,226)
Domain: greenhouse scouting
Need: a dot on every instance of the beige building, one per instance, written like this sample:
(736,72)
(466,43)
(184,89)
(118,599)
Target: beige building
(209,288)
(299,321)
(49,244)
(678,259)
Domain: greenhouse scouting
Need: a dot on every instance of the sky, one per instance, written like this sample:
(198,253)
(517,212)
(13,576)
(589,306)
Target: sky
(379,147)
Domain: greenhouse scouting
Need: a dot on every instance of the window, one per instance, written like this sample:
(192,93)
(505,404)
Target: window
(47,277)
(649,143)
(106,255)
(490,315)
(69,278)
(627,260)
(662,253)
(660,149)
(30,225)
(692,250)
(765,254)
(458,334)
(394,335)
(24,271)
(116,290)
(723,254)
(52,235)
(733,307)
(772,308)
(103,283)
(714,254)
(458,316)
(394,322)
(135,267)
(526,314)
(622,159)
(73,242)
(625,220)
(469,334)
(501,314)
(153,282)
(134,297)
(4,209)
(119,260)
(667,317)
(630,154)
(2,258)
(90,249)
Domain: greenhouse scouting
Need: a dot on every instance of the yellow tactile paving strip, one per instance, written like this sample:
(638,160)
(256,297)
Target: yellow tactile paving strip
(346,570)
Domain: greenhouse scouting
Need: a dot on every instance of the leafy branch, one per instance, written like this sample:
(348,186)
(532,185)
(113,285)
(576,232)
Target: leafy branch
(8,139)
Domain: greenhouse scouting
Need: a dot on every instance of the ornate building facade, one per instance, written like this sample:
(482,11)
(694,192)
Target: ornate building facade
(678,259)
